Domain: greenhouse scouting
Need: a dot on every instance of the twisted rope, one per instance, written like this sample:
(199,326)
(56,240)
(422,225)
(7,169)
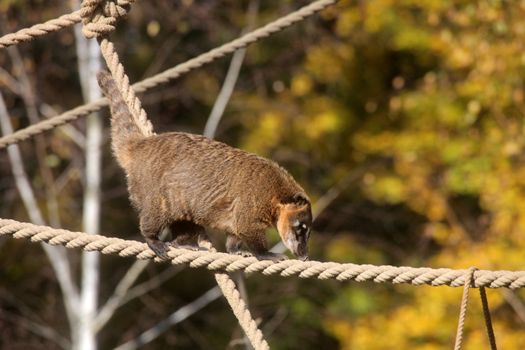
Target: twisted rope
(240,311)
(172,73)
(99,18)
(28,34)
(463,308)
(122,82)
(228,263)
(488,319)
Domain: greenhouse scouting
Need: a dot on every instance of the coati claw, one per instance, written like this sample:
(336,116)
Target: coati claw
(204,242)
(159,248)
(243,253)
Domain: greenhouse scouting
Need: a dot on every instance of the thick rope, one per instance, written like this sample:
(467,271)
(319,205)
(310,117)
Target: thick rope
(229,263)
(99,18)
(122,82)
(463,309)
(171,73)
(237,304)
(28,34)
(240,311)
(488,319)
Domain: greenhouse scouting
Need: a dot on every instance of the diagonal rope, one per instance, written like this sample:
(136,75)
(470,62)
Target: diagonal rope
(240,311)
(463,308)
(28,34)
(223,262)
(122,82)
(488,319)
(172,73)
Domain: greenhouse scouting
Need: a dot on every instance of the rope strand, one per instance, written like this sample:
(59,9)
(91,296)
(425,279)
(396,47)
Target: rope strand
(28,34)
(240,311)
(488,319)
(463,308)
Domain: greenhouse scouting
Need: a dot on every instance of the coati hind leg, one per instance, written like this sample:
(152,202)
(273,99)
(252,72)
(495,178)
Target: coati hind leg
(189,235)
(150,229)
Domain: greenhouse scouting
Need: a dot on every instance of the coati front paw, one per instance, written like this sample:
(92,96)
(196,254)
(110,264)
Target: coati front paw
(204,242)
(159,248)
(275,257)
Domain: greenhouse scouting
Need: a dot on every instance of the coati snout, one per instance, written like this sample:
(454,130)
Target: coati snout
(294,225)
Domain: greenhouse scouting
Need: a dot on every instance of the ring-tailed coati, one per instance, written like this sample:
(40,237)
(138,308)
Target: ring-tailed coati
(188,182)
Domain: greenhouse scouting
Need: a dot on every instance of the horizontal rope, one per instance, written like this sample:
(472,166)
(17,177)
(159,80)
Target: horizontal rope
(28,34)
(172,73)
(216,261)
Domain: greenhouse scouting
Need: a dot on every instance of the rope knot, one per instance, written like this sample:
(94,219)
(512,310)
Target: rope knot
(99,16)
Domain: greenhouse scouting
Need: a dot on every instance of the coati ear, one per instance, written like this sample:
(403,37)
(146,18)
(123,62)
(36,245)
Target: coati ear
(300,198)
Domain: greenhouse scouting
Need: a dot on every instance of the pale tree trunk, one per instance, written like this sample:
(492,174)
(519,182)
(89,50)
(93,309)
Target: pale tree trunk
(89,64)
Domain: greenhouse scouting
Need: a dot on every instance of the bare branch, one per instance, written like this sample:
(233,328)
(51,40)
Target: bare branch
(333,193)
(224,95)
(28,96)
(57,255)
(9,81)
(176,317)
(231,78)
(68,129)
(36,328)
(151,284)
(107,311)
(516,303)
(124,293)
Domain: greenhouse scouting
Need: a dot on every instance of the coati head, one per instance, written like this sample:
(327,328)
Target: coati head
(294,223)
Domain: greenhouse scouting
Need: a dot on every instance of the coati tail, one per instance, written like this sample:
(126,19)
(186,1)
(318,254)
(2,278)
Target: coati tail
(123,126)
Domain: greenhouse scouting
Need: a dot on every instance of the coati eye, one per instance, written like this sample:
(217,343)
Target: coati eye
(300,228)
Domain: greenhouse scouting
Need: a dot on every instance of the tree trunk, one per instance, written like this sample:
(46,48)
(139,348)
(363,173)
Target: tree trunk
(89,64)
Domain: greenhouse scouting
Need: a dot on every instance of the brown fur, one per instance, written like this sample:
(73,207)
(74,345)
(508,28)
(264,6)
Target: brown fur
(188,182)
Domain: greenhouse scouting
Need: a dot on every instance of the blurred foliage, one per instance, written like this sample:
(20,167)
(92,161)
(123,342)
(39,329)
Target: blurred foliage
(412,111)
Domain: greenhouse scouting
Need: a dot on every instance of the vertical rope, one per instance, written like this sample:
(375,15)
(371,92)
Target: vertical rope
(469,277)
(99,18)
(488,319)
(126,90)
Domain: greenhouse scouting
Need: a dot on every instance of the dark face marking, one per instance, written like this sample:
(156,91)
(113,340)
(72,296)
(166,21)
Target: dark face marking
(300,225)
(294,224)
(301,229)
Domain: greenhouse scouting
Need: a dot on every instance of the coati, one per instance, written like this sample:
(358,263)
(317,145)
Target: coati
(188,182)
